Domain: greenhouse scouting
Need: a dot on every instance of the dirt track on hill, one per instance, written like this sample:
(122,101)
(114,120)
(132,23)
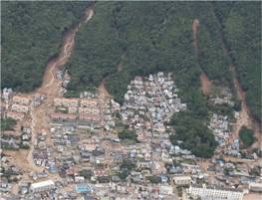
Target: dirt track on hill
(206,84)
(51,86)
(195,27)
(245,118)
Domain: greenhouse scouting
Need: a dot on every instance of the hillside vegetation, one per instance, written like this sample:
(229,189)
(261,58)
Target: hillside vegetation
(144,37)
(31,34)
(241,26)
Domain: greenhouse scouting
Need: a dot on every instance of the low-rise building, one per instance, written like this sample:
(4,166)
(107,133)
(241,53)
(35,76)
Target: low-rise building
(73,102)
(212,192)
(182,180)
(21,100)
(15,115)
(42,186)
(88,102)
(20,108)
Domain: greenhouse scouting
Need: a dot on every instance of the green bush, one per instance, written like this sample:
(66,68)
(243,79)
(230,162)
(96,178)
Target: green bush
(7,124)
(195,136)
(246,136)
(128,135)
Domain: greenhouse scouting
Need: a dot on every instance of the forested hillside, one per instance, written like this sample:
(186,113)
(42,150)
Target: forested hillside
(158,36)
(31,34)
(242,29)
(145,38)
(153,36)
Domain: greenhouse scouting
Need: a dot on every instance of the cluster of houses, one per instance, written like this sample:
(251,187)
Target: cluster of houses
(221,128)
(149,102)
(12,141)
(85,112)
(72,109)
(85,159)
(224,96)
(64,78)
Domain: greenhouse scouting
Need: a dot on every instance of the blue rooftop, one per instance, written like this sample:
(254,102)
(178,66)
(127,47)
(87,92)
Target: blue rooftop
(83,188)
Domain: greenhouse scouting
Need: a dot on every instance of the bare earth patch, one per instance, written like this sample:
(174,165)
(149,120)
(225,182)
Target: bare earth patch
(206,84)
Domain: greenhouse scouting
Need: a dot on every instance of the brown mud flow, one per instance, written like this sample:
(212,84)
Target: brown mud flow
(245,118)
(206,83)
(51,85)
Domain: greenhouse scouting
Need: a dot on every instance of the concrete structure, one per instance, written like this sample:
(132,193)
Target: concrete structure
(255,187)
(88,103)
(21,100)
(20,108)
(42,186)
(182,180)
(212,192)
(66,102)
(15,115)
(61,116)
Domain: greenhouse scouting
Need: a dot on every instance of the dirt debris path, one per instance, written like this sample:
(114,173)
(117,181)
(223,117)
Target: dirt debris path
(195,27)
(50,87)
(245,118)
(206,84)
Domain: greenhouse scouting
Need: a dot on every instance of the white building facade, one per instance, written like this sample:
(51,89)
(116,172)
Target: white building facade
(42,186)
(210,192)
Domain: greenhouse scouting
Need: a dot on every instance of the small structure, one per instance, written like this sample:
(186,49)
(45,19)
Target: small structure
(182,180)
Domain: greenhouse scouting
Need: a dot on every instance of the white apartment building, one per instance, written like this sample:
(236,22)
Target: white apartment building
(212,192)
(42,186)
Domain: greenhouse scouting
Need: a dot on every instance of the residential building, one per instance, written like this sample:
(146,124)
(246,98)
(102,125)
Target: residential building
(21,100)
(42,186)
(182,180)
(212,192)
(20,108)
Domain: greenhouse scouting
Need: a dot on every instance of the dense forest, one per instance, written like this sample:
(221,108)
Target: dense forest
(241,30)
(144,37)
(194,134)
(246,136)
(7,124)
(31,34)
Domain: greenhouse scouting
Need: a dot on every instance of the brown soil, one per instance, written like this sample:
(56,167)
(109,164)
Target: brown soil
(206,84)
(244,116)
(102,91)
(195,27)
(252,196)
